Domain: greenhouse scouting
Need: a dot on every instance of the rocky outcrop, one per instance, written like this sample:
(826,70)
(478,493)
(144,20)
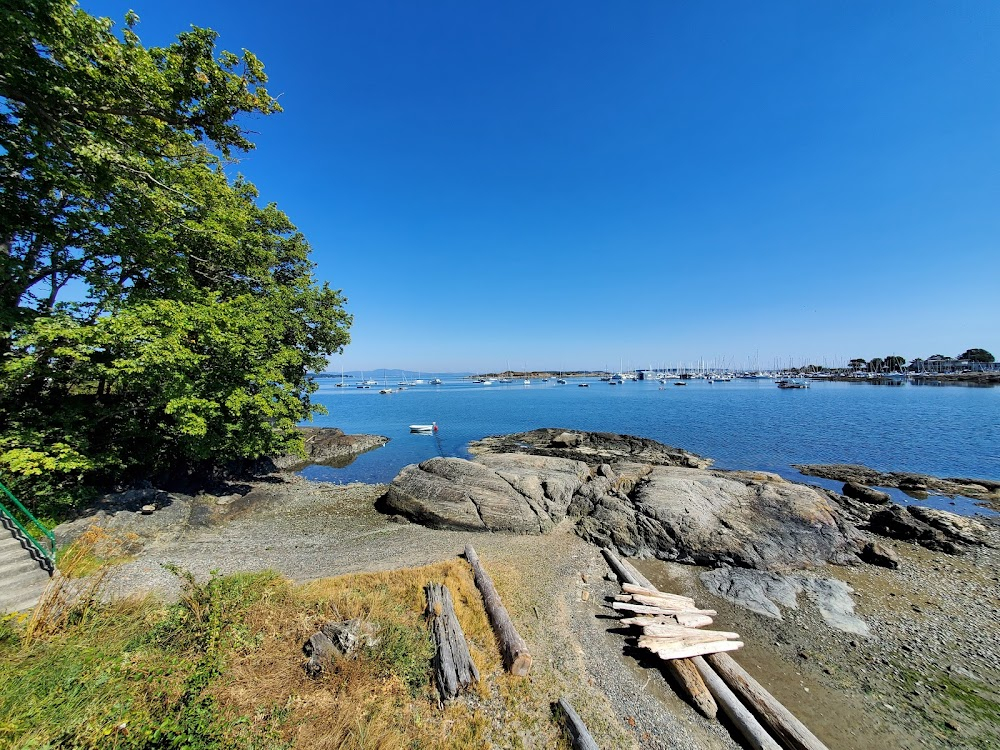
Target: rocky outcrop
(593,448)
(328,445)
(519,494)
(646,500)
(710,518)
(977,489)
(666,511)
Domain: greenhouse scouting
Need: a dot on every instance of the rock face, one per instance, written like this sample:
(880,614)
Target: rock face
(329,445)
(649,500)
(666,511)
(520,494)
(710,518)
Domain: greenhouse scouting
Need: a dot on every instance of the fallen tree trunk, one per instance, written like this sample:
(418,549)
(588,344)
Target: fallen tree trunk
(514,650)
(792,732)
(756,736)
(686,677)
(454,669)
(643,591)
(579,737)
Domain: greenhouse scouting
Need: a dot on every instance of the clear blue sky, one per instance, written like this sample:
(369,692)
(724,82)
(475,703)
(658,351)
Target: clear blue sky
(568,184)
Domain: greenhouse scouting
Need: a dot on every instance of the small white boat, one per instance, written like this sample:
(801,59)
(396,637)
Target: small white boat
(527,381)
(561,381)
(583,385)
(436,381)
(487,382)
(432,427)
(386,390)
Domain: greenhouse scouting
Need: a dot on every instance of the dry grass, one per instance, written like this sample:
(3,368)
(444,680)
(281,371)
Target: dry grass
(365,702)
(224,666)
(80,569)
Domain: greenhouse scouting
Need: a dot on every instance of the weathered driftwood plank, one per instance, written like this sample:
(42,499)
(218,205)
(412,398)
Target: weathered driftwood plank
(514,650)
(667,630)
(454,669)
(643,591)
(685,676)
(579,737)
(670,648)
(756,736)
(645,609)
(687,621)
(782,723)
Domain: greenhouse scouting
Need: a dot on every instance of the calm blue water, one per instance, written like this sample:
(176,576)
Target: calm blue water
(743,424)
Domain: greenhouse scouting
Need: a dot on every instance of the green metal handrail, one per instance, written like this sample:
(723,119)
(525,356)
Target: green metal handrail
(49,555)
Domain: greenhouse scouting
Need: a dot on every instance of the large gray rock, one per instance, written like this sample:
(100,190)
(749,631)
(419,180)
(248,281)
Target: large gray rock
(705,517)
(866,494)
(518,493)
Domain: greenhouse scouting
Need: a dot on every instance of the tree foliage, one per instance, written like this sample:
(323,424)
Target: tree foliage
(895,363)
(976,355)
(153,315)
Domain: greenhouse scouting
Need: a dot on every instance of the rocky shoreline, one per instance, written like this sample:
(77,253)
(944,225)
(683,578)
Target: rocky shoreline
(889,628)
(915,485)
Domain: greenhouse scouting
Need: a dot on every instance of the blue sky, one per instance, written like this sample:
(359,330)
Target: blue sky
(557,184)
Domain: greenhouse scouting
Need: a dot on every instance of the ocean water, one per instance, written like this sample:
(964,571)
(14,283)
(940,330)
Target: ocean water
(742,424)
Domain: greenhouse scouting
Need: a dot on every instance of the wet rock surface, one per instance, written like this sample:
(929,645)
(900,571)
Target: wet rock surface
(978,489)
(765,593)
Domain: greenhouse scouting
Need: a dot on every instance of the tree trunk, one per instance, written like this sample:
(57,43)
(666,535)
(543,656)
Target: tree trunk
(779,719)
(516,658)
(454,670)
(756,736)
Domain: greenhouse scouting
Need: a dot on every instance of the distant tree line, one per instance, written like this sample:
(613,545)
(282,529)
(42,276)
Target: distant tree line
(895,363)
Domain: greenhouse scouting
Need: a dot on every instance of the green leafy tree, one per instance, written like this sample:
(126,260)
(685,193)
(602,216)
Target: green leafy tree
(200,316)
(895,363)
(857,363)
(876,365)
(976,355)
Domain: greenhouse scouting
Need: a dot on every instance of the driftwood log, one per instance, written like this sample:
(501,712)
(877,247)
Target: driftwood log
(579,737)
(756,736)
(782,723)
(514,650)
(681,671)
(454,669)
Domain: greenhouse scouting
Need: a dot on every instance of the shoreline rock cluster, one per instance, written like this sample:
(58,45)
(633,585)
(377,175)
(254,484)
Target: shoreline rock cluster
(917,485)
(761,533)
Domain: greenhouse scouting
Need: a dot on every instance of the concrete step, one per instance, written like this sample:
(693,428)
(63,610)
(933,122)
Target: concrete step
(9,565)
(23,578)
(22,602)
